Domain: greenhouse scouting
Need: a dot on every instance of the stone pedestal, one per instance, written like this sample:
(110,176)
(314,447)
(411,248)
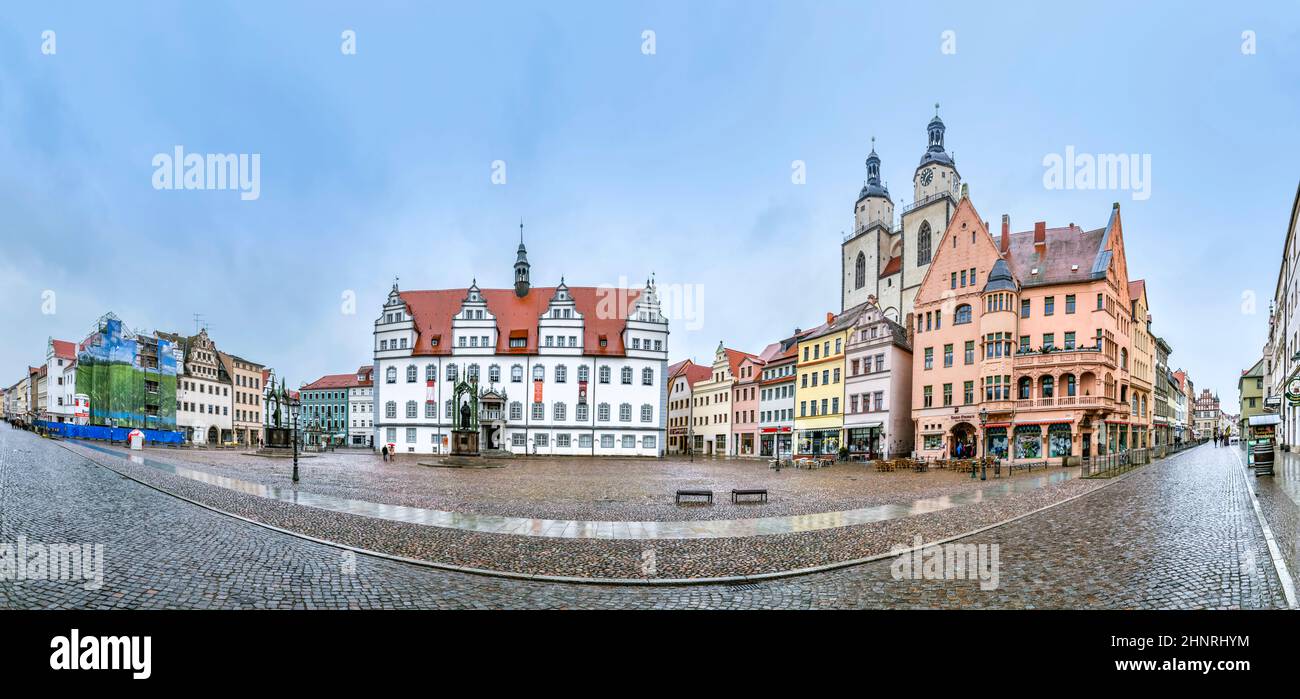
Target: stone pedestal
(464,443)
(279,438)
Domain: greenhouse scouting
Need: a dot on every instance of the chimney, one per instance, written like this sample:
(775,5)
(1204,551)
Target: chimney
(1040,233)
(1005,244)
(830,317)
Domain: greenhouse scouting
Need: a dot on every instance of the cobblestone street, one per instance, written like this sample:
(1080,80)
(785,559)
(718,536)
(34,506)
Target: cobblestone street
(1179,533)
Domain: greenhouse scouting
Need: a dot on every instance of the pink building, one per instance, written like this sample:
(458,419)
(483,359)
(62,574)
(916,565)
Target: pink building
(1022,344)
(744,406)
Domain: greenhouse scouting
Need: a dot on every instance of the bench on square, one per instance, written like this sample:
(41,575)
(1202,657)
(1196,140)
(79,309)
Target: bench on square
(694,494)
(737,493)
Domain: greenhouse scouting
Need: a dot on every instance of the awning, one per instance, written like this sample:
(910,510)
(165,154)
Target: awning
(1265,420)
(868,425)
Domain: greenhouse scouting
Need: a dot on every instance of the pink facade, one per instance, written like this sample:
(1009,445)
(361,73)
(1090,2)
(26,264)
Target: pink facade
(744,406)
(1022,344)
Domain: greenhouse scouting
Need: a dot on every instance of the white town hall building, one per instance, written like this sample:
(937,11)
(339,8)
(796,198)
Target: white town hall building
(561,370)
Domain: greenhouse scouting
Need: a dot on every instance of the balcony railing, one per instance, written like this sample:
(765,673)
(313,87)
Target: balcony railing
(1063,357)
(1065,402)
(886,224)
(926,200)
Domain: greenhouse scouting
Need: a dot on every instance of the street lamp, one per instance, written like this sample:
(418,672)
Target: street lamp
(984,465)
(295,403)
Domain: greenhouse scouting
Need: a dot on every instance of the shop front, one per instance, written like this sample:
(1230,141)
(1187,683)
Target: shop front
(866,441)
(1059,440)
(818,442)
(775,441)
(1028,441)
(995,441)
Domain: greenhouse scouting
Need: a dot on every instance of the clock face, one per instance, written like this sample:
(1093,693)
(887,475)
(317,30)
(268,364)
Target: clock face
(927,176)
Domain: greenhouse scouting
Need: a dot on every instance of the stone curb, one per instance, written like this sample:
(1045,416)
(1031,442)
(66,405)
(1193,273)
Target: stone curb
(1279,563)
(632,582)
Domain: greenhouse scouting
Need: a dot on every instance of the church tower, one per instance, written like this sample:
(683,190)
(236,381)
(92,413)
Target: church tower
(521,266)
(866,250)
(936,189)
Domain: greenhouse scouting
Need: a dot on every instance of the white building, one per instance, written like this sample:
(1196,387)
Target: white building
(776,397)
(560,370)
(361,408)
(878,389)
(1282,350)
(203,400)
(61,381)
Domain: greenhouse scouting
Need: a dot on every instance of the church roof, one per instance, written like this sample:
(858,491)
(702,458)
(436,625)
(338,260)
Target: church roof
(605,312)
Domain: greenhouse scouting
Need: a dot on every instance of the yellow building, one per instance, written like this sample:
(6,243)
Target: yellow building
(1251,388)
(819,385)
(1142,375)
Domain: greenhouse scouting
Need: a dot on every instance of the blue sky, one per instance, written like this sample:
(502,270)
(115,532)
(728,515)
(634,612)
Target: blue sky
(378,164)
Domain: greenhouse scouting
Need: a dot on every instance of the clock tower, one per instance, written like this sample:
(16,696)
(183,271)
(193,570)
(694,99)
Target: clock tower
(937,172)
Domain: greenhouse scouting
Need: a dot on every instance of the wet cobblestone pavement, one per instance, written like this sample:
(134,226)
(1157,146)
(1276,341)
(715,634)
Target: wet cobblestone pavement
(1177,534)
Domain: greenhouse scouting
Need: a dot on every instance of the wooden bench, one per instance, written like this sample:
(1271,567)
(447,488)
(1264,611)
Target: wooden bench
(694,494)
(737,493)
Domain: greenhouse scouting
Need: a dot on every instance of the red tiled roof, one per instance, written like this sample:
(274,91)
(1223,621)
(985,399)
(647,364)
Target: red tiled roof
(894,266)
(604,311)
(735,357)
(696,373)
(335,381)
(64,349)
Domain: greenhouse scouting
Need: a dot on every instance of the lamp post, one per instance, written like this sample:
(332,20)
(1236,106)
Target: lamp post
(294,404)
(984,465)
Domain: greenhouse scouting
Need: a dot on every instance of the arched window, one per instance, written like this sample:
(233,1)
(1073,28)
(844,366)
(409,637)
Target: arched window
(446,410)
(1047,387)
(430,410)
(584,374)
(1024,388)
(431,372)
(923,245)
(1070,386)
(558,412)
(390,410)
(1123,358)
(516,374)
(411,410)
(602,412)
(647,412)
(580,412)
(626,375)
(539,372)
(472,372)
(647,377)
(494,373)
(604,374)
(412,374)
(625,412)
(391,375)
(963,315)
(561,373)
(451,372)
(860,271)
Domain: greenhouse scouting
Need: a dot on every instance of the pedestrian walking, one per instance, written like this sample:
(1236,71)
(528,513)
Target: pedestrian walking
(385,452)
